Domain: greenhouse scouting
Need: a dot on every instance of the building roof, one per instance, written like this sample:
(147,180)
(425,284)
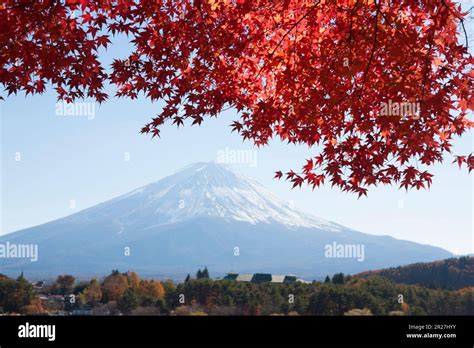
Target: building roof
(244,278)
(278,278)
(263,278)
(231,276)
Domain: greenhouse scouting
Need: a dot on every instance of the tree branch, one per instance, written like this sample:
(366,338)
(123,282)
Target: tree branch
(374,47)
(286,34)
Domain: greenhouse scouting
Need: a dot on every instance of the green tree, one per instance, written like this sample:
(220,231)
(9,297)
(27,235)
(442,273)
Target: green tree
(79,288)
(129,301)
(188,278)
(16,294)
(338,278)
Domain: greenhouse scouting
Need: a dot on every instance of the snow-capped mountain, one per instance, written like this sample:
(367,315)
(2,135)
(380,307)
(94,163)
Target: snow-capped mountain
(204,190)
(204,215)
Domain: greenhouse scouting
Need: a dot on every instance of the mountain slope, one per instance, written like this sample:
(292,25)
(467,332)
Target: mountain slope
(452,273)
(204,189)
(204,215)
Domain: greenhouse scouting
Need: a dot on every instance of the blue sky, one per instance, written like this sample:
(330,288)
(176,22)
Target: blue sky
(66,158)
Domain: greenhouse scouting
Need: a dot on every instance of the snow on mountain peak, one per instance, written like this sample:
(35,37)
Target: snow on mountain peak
(207,189)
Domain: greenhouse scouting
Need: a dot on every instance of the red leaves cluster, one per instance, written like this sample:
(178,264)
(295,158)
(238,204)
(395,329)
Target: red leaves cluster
(46,42)
(313,72)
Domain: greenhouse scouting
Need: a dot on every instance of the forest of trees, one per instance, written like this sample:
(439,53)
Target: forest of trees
(15,295)
(454,273)
(376,295)
(365,294)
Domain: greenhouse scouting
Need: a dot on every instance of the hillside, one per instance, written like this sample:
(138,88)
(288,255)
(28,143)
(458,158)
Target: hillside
(453,273)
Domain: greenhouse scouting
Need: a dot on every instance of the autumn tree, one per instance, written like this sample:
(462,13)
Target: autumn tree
(377,88)
(133,279)
(64,284)
(93,293)
(150,291)
(34,307)
(114,286)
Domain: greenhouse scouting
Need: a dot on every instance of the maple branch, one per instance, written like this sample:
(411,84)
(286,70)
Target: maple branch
(374,47)
(427,61)
(286,34)
(352,20)
(461,20)
(386,19)
(203,20)
(51,6)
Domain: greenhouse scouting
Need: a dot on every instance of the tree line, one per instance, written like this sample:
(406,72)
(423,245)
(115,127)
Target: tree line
(126,293)
(454,273)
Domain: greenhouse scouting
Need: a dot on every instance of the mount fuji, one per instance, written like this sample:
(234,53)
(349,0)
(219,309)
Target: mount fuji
(203,215)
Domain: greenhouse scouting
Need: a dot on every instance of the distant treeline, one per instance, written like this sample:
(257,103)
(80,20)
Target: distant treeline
(452,273)
(373,295)
(366,294)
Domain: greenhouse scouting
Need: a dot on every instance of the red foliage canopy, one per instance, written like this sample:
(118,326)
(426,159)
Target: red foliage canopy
(377,87)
